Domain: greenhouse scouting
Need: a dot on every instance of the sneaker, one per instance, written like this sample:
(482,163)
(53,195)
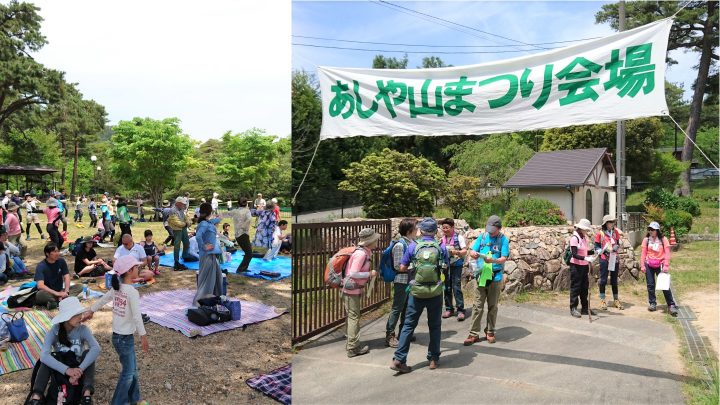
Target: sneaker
(617,304)
(574,312)
(401,368)
(28,238)
(652,307)
(490,336)
(179,267)
(603,305)
(86,400)
(76,276)
(42,236)
(447,314)
(391,340)
(363,350)
(145,318)
(470,340)
(673,310)
(585,312)
(461,316)
(433,364)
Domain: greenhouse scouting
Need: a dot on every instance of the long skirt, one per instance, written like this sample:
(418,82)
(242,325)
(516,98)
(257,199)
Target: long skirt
(209,282)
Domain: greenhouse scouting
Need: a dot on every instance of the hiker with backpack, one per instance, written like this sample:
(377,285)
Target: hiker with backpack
(407,230)
(456,247)
(493,248)
(357,275)
(655,259)
(581,258)
(126,320)
(53,279)
(68,354)
(425,286)
(607,245)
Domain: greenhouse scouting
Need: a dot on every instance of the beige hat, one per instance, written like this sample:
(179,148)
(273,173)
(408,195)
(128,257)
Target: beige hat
(68,308)
(367,236)
(608,218)
(584,224)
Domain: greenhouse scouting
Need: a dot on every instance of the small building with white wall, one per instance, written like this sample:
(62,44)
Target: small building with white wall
(580,181)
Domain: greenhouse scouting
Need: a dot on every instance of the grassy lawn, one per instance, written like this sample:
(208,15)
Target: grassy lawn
(695,264)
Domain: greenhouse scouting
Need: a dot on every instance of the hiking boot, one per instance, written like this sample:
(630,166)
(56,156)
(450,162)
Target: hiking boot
(391,340)
(617,304)
(461,316)
(470,340)
(574,312)
(652,307)
(447,314)
(490,336)
(401,368)
(363,350)
(673,310)
(603,305)
(433,364)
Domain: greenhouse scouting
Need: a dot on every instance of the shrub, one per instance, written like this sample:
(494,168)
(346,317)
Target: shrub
(662,198)
(534,211)
(654,213)
(678,219)
(689,205)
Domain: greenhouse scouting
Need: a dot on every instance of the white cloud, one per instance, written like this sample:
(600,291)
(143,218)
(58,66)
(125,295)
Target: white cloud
(218,66)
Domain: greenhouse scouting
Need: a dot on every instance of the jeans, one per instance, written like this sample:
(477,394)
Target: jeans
(127,390)
(650,275)
(18,266)
(178,237)
(244,242)
(399,307)
(579,284)
(415,308)
(452,287)
(613,278)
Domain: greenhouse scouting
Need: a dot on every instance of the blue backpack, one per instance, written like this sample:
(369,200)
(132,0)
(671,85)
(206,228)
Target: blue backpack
(387,268)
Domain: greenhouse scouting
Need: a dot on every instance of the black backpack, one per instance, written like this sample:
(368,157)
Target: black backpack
(210,311)
(22,298)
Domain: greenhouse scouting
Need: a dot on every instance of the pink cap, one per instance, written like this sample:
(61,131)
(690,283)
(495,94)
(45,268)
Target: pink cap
(124,264)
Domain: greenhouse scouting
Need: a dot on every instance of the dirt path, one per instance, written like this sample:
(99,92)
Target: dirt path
(706,304)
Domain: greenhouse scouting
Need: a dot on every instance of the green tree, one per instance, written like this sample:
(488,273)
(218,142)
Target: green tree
(280,176)
(390,183)
(694,28)
(461,193)
(23,81)
(707,140)
(147,154)
(642,137)
(433,62)
(493,160)
(247,161)
(387,62)
(666,169)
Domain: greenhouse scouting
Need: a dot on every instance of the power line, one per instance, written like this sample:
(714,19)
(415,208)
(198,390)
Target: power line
(435,46)
(460,25)
(402,51)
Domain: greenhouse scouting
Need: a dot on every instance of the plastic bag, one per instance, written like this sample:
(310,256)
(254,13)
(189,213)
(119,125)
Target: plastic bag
(663,282)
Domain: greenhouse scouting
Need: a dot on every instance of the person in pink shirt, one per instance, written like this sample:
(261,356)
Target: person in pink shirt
(53,219)
(654,259)
(14,229)
(358,274)
(580,261)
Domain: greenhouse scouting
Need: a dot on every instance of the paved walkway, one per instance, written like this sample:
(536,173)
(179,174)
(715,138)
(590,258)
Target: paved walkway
(542,356)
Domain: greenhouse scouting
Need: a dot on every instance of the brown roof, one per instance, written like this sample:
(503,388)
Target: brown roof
(26,170)
(560,168)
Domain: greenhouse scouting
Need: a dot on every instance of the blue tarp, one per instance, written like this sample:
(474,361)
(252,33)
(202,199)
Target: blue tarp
(280,264)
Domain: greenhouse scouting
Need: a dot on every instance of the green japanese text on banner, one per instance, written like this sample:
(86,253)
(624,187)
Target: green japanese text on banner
(618,77)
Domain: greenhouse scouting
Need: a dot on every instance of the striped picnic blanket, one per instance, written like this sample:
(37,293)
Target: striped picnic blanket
(20,356)
(167,308)
(277,384)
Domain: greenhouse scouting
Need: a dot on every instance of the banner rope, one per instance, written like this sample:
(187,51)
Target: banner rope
(693,142)
(306,172)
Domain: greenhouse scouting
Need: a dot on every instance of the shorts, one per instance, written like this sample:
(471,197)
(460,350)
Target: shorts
(32,219)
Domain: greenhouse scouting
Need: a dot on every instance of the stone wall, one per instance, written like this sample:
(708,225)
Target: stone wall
(536,257)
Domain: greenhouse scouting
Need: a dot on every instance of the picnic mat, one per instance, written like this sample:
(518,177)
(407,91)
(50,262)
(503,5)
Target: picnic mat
(277,384)
(167,308)
(280,264)
(20,356)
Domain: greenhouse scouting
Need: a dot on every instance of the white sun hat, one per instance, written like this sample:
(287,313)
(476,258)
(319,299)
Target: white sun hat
(69,307)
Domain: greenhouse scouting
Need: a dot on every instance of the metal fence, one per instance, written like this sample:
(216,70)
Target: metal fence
(316,307)
(636,222)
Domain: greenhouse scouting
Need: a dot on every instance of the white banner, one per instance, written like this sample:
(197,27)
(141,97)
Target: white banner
(621,76)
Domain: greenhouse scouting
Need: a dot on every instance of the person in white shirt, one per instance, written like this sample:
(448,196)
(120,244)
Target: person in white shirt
(214,203)
(32,217)
(260,203)
(130,248)
(193,249)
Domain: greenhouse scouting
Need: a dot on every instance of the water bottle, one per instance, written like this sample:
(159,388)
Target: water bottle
(85,291)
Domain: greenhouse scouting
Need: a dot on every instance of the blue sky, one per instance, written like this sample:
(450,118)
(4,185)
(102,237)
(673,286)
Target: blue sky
(525,21)
(221,66)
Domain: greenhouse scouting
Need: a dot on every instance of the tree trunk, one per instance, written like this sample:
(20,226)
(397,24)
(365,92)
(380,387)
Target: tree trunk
(75,169)
(697,101)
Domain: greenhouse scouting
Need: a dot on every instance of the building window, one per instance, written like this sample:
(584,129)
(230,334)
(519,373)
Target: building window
(588,205)
(606,204)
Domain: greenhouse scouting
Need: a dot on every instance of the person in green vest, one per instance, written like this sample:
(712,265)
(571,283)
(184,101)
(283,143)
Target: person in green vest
(123,218)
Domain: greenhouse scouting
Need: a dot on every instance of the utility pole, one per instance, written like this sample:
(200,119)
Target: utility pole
(620,147)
